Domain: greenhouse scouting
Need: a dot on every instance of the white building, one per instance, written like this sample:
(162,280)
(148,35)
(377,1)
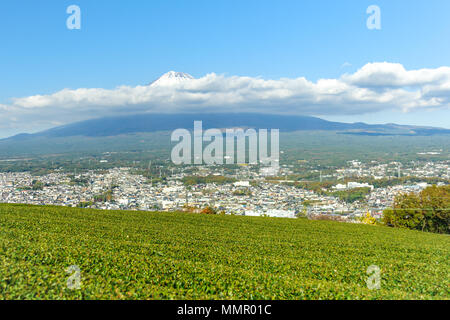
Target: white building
(242,184)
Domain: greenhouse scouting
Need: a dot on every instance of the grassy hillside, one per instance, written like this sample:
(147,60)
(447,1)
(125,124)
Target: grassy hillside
(141,255)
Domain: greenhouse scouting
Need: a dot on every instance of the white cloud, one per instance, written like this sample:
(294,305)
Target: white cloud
(388,75)
(346,65)
(374,87)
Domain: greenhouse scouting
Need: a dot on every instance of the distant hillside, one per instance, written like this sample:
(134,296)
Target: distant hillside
(113,126)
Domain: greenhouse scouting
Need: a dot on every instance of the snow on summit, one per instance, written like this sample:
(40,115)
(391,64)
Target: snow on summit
(172,78)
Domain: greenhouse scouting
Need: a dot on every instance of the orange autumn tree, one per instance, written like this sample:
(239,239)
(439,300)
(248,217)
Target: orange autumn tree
(209,210)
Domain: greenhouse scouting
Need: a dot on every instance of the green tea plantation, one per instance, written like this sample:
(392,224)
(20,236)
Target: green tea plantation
(152,255)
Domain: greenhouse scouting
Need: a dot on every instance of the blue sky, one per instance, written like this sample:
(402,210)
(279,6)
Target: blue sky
(134,42)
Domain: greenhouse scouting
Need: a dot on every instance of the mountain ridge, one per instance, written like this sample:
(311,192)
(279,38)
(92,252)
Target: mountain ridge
(139,123)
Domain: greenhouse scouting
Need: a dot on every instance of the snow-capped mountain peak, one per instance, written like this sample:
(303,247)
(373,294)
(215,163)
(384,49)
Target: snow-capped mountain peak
(171,78)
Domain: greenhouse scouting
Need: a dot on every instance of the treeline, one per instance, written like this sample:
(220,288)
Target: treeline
(106,196)
(383,183)
(78,181)
(325,189)
(242,192)
(352,195)
(36,185)
(315,186)
(427,211)
(193,180)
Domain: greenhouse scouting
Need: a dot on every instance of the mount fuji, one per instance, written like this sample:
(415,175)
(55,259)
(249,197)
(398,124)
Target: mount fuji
(172,78)
(152,122)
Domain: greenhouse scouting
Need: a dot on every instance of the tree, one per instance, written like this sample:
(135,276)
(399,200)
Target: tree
(209,210)
(37,185)
(427,211)
(368,219)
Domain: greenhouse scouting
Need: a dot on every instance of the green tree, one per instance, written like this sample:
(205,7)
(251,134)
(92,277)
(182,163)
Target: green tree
(37,185)
(427,211)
